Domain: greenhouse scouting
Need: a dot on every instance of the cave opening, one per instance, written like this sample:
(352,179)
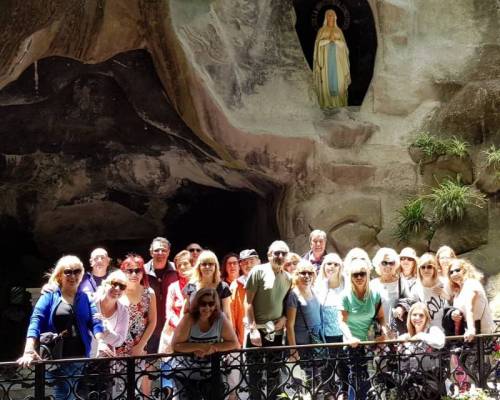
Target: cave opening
(355,19)
(221,220)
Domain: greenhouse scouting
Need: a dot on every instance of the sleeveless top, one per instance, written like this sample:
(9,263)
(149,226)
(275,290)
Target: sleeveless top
(137,323)
(199,368)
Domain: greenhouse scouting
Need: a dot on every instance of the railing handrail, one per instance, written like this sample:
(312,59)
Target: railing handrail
(254,349)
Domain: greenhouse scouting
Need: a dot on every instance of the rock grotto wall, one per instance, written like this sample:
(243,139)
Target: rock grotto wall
(108,107)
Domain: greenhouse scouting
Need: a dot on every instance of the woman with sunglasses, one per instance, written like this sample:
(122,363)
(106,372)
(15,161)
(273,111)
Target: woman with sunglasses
(469,299)
(113,314)
(429,290)
(206,274)
(203,331)
(140,300)
(115,318)
(391,287)
(360,307)
(408,261)
(303,318)
(329,287)
(420,372)
(70,314)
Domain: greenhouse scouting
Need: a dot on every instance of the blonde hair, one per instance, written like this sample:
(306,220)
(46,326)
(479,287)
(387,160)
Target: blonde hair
(356,253)
(469,271)
(63,263)
(206,256)
(332,257)
(381,254)
(113,276)
(358,265)
(425,259)
(303,265)
(409,324)
(444,249)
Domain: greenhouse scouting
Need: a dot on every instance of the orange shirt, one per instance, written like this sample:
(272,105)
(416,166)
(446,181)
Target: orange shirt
(238,293)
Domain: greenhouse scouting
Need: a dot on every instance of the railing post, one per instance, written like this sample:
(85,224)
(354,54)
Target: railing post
(130,378)
(40,381)
(215,375)
(482,378)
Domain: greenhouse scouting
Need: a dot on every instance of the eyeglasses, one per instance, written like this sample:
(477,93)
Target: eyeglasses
(118,285)
(361,274)
(207,264)
(203,303)
(454,271)
(75,272)
(306,273)
(280,253)
(390,263)
(131,271)
(194,250)
(406,259)
(427,267)
(333,263)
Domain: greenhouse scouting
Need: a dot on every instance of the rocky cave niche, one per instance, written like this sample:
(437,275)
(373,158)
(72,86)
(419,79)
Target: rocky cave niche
(355,18)
(221,220)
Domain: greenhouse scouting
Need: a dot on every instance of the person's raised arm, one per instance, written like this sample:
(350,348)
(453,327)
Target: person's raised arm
(471,298)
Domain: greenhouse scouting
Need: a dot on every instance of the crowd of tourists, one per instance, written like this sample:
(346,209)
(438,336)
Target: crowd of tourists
(193,304)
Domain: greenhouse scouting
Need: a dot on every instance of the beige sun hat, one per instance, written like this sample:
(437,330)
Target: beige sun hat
(409,252)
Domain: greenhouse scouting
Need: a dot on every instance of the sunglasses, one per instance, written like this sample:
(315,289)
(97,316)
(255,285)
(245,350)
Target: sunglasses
(428,267)
(194,250)
(361,274)
(207,264)
(454,271)
(118,285)
(75,272)
(386,263)
(203,303)
(406,259)
(280,253)
(131,271)
(333,263)
(306,273)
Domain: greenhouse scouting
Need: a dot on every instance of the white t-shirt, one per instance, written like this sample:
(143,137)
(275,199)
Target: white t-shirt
(389,295)
(481,310)
(435,303)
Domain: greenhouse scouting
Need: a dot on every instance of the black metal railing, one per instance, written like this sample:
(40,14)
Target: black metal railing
(388,370)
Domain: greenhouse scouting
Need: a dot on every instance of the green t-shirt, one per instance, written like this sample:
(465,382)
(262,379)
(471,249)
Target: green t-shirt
(361,312)
(270,290)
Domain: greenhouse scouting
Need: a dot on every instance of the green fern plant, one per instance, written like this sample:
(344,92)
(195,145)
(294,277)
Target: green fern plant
(433,146)
(492,157)
(451,198)
(411,219)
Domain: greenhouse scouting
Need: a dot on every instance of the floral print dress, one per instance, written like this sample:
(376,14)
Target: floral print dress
(137,323)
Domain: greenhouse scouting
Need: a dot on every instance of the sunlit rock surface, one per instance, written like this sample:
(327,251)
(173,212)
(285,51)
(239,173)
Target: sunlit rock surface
(113,106)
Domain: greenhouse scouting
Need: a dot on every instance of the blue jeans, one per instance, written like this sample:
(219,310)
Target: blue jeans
(166,374)
(358,374)
(64,378)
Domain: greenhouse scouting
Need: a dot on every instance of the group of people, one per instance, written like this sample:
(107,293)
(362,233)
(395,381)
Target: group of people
(196,305)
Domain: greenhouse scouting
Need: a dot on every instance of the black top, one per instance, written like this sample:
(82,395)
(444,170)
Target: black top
(64,319)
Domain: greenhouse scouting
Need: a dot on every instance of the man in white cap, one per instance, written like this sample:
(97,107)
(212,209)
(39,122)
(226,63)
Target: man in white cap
(267,286)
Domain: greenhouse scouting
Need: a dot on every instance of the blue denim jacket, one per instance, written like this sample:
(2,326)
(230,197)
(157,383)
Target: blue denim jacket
(42,319)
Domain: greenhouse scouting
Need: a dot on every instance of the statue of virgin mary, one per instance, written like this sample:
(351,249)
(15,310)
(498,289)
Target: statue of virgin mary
(331,64)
